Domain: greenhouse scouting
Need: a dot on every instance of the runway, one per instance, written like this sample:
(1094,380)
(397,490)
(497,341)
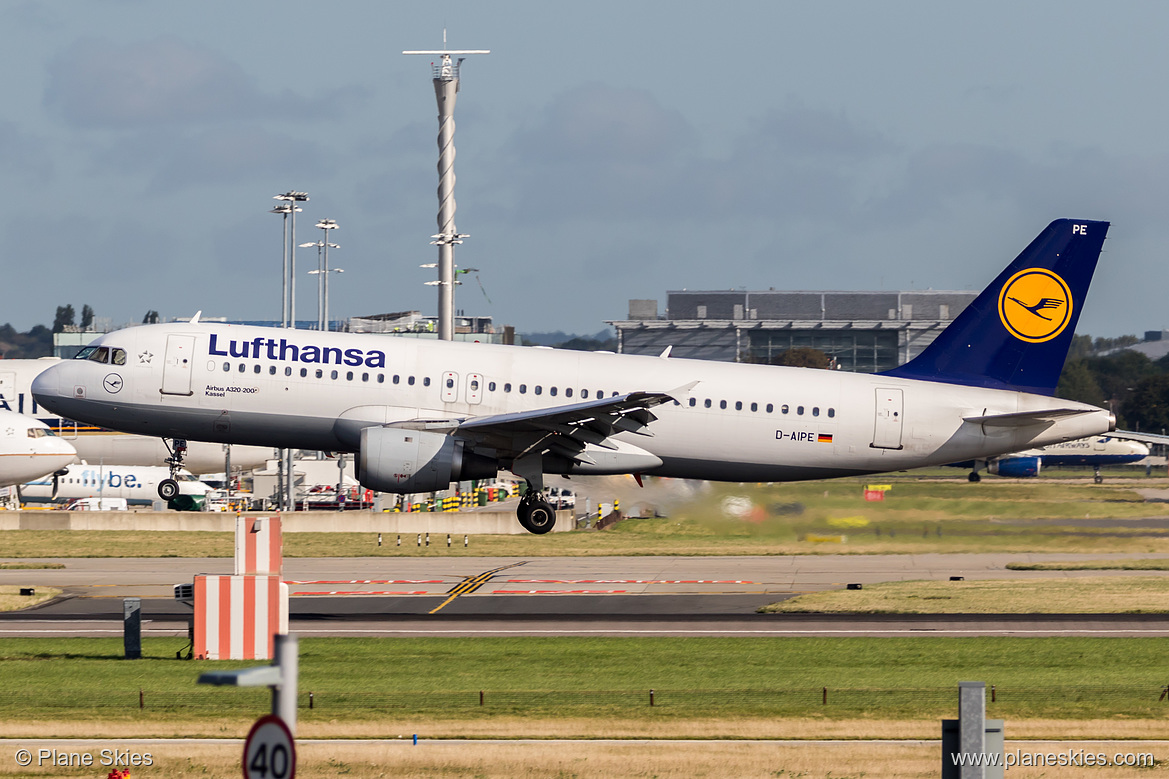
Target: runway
(554,596)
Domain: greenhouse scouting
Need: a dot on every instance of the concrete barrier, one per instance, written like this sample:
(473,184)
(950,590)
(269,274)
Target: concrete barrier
(454,522)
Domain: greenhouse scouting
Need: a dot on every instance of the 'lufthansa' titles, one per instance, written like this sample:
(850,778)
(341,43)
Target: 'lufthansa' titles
(280,350)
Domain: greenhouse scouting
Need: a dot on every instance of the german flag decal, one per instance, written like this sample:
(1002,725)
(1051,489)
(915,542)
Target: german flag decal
(824,438)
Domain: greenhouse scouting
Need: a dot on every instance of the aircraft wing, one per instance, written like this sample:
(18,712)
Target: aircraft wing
(560,430)
(1148,438)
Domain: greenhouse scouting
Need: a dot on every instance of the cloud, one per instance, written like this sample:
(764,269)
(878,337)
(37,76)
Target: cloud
(97,83)
(24,155)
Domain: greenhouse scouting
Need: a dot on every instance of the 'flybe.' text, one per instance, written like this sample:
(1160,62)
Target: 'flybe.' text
(272,349)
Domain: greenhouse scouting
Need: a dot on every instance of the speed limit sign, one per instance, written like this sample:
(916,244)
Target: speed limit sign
(269,752)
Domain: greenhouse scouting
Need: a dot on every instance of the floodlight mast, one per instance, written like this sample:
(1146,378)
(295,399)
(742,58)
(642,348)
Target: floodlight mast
(446,87)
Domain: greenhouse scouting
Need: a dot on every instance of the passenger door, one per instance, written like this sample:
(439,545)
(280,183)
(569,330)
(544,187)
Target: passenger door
(176,367)
(887,429)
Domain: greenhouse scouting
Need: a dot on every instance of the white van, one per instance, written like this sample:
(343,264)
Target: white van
(98,504)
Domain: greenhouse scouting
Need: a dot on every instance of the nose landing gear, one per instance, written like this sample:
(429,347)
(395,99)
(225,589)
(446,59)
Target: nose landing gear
(168,489)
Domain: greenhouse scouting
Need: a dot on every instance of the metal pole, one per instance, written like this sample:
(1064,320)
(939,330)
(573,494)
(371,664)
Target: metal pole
(284,278)
(286,658)
(340,477)
(325,287)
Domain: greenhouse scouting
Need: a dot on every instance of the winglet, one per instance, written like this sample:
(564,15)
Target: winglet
(195,318)
(1016,333)
(665,355)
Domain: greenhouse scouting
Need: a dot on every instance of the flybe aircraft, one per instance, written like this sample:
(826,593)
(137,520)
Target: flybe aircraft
(101,445)
(29,450)
(1096,451)
(420,414)
(138,484)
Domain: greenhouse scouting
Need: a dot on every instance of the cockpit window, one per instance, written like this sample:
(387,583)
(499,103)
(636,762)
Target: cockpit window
(84,353)
(119,356)
(37,432)
(100,354)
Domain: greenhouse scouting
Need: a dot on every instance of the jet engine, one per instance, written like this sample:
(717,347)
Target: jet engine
(1016,467)
(397,460)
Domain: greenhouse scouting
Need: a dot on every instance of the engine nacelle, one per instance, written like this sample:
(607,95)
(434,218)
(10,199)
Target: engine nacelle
(1016,467)
(392,459)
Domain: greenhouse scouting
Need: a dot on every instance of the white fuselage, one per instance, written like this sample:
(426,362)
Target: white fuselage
(29,450)
(273,387)
(100,445)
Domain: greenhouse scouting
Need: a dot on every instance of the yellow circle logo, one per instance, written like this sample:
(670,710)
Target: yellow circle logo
(1035,305)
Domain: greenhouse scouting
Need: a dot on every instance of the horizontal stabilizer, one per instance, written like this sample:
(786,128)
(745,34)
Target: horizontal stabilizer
(1024,418)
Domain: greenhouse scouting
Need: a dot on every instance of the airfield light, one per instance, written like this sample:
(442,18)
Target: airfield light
(288,207)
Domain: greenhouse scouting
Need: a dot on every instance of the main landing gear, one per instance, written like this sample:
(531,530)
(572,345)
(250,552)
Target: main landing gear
(1097,477)
(973,477)
(535,512)
(168,489)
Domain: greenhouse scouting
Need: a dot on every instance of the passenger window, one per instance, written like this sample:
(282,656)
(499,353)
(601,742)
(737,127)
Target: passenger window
(800,410)
(332,374)
(584,393)
(349,376)
(381,378)
(552,391)
(271,370)
(754,406)
(410,380)
(425,381)
(738,405)
(491,386)
(303,372)
(287,370)
(523,389)
(474,385)
(320,373)
(693,402)
(722,404)
(706,402)
(568,392)
(256,368)
(539,389)
(783,409)
(815,411)
(395,378)
(507,387)
(831,413)
(119,356)
(226,367)
(770,408)
(450,383)
(242,367)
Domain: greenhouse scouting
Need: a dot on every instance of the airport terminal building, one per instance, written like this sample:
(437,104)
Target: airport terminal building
(861,331)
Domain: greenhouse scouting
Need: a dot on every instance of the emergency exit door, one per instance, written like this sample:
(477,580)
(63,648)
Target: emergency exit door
(887,429)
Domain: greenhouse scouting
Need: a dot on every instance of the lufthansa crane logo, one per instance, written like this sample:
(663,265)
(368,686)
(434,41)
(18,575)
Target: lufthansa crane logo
(1035,305)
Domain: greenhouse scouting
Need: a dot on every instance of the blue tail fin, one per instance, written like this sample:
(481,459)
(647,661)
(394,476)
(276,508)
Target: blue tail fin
(1016,334)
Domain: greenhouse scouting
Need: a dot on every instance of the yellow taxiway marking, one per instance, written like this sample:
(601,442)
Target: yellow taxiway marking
(473,583)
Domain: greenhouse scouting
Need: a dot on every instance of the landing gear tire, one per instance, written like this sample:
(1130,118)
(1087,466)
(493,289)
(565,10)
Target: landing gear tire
(1098,479)
(168,489)
(973,477)
(537,516)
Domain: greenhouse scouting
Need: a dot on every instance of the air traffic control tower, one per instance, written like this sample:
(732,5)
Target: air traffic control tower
(446,88)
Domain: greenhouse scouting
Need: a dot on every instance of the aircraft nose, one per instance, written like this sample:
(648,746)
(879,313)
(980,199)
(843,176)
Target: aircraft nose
(47,383)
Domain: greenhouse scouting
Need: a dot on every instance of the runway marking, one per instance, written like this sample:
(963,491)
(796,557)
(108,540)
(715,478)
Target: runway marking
(473,583)
(557,592)
(367,581)
(729,631)
(629,581)
(367,592)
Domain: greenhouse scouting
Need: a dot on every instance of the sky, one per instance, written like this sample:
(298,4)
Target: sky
(605,151)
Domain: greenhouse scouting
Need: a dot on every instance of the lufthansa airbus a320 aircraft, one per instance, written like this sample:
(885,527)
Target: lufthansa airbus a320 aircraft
(421,414)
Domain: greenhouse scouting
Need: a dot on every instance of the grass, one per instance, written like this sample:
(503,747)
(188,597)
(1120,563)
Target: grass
(12,600)
(30,566)
(377,684)
(920,514)
(1155,564)
(1085,595)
